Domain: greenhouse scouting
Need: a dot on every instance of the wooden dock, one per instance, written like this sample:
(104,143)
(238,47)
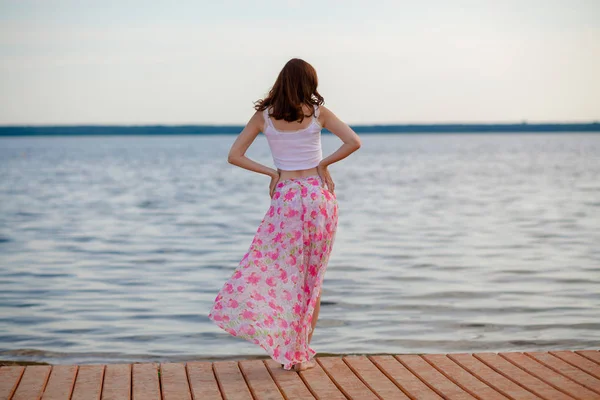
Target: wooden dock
(551,375)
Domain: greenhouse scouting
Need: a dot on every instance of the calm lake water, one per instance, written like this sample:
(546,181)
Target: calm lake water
(112,249)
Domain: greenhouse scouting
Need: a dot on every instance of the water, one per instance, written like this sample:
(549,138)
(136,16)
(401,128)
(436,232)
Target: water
(112,249)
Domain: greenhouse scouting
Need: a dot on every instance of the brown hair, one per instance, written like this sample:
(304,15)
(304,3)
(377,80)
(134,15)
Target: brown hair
(295,86)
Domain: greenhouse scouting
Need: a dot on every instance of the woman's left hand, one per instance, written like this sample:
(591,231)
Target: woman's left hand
(326,177)
(273,184)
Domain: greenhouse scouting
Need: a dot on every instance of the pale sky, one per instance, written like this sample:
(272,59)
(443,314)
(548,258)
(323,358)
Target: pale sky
(205,62)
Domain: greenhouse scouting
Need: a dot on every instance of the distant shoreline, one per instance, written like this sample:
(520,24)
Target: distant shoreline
(117,130)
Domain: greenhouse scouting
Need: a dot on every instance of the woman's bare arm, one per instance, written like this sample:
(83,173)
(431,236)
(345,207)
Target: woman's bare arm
(344,132)
(237,153)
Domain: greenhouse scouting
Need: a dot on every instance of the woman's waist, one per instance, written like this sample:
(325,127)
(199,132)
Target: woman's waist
(295,174)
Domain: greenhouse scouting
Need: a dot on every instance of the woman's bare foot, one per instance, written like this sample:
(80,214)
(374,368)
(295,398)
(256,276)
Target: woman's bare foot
(304,365)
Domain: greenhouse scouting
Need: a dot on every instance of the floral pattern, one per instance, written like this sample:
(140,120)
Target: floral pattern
(271,296)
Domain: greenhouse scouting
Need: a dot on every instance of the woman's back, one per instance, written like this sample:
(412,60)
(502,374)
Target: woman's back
(294,146)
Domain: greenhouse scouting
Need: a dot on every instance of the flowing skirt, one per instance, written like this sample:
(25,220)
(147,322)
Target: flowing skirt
(271,296)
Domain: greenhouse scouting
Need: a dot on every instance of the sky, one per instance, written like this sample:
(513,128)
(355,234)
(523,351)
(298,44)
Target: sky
(67,62)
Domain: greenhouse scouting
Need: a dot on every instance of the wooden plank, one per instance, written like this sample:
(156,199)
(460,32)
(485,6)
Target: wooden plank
(231,381)
(516,374)
(203,382)
(593,355)
(117,382)
(174,382)
(88,385)
(291,384)
(462,377)
(380,384)
(568,370)
(552,378)
(411,385)
(32,382)
(259,380)
(436,380)
(491,377)
(61,383)
(345,379)
(579,361)
(145,382)
(552,375)
(319,384)
(9,380)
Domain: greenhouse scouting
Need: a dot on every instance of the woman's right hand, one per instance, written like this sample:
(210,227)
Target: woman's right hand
(326,177)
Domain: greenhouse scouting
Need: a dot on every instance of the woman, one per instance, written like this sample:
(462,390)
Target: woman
(274,295)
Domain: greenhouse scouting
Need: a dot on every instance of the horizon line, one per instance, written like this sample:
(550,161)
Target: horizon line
(236,125)
(129,130)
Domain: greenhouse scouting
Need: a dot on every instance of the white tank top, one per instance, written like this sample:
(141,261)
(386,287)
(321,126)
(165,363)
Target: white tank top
(294,150)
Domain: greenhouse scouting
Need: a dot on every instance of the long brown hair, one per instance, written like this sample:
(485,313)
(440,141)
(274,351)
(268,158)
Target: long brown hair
(295,86)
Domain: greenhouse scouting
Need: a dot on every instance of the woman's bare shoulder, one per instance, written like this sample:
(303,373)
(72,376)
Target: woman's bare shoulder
(258,118)
(324,114)
(323,109)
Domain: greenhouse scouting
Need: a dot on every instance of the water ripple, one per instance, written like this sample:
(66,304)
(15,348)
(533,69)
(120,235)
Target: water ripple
(113,248)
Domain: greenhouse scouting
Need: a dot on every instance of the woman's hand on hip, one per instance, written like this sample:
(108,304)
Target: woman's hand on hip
(326,177)
(273,184)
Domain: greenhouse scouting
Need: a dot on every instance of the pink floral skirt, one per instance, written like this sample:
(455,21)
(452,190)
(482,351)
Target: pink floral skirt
(271,296)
